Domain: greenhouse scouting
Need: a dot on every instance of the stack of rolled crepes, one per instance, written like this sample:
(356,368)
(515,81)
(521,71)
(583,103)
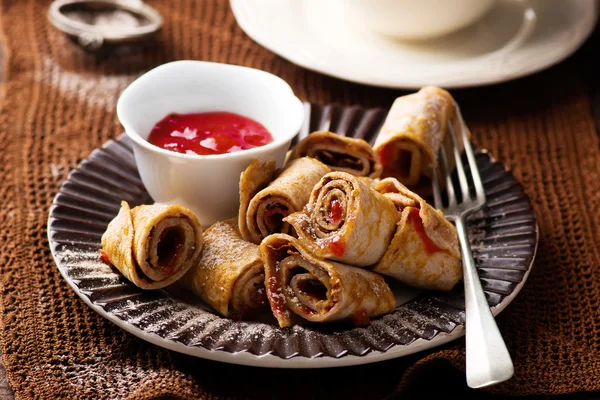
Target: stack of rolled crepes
(268,196)
(385,227)
(298,282)
(351,233)
(155,246)
(411,136)
(314,239)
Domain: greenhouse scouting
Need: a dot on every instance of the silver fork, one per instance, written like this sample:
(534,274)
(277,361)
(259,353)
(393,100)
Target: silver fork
(488,360)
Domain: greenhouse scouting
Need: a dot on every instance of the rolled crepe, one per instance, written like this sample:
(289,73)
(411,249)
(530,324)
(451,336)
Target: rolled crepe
(300,284)
(262,209)
(424,251)
(412,133)
(153,245)
(346,220)
(230,275)
(339,153)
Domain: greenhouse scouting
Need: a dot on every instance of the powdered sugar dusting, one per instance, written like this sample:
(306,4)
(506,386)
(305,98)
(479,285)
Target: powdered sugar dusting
(254,332)
(70,256)
(88,266)
(212,253)
(163,320)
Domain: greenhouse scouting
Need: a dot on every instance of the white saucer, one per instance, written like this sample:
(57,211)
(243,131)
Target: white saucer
(517,38)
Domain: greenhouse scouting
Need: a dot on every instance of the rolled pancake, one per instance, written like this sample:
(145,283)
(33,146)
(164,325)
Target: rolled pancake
(346,220)
(153,245)
(264,203)
(411,136)
(317,290)
(339,153)
(254,178)
(424,251)
(230,275)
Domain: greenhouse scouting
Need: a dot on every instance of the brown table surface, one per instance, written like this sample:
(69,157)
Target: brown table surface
(587,56)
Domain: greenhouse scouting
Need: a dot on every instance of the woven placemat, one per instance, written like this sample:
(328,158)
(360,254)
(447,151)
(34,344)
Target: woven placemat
(59,104)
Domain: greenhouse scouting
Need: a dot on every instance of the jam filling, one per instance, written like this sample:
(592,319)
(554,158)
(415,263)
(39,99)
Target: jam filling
(104,256)
(276,297)
(417,222)
(336,211)
(337,246)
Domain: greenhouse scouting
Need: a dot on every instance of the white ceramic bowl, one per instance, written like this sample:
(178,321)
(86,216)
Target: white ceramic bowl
(417,20)
(208,185)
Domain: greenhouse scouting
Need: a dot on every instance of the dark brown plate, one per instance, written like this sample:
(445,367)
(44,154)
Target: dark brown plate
(503,237)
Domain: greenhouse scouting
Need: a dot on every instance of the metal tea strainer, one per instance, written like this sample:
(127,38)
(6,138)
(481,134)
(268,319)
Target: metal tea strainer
(98,24)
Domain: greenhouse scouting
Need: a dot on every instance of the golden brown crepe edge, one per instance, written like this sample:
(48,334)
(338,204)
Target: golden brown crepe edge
(117,244)
(254,178)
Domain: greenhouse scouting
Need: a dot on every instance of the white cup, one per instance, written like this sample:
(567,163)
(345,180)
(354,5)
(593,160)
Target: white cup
(208,185)
(417,19)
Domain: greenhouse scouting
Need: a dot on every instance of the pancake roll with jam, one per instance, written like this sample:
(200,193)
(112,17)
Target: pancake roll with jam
(339,153)
(424,251)
(267,196)
(346,220)
(153,245)
(300,285)
(411,136)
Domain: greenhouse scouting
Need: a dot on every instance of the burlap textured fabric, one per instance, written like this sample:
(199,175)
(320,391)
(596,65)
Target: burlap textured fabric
(59,104)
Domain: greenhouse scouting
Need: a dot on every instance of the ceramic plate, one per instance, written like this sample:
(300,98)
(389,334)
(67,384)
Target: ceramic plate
(503,237)
(516,38)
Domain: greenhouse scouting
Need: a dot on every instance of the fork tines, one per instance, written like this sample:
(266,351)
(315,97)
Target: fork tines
(460,197)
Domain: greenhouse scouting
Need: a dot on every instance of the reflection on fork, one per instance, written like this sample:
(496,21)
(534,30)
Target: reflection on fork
(488,360)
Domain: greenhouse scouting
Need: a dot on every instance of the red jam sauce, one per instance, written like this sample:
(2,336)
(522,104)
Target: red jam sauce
(430,246)
(208,133)
(305,310)
(105,257)
(335,212)
(337,246)
(276,298)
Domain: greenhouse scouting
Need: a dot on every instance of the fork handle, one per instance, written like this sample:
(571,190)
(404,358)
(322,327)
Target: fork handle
(488,360)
